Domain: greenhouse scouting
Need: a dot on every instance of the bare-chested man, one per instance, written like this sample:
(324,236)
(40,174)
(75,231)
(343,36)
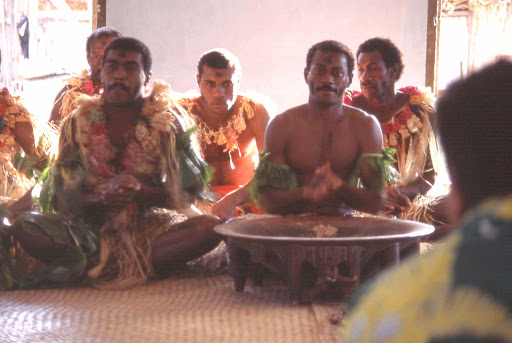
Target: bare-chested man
(86,83)
(232,128)
(314,149)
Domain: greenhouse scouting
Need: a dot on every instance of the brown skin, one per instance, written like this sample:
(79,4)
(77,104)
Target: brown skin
(94,58)
(23,133)
(219,101)
(123,78)
(321,141)
(380,98)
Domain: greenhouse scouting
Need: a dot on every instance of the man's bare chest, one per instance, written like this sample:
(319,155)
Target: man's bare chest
(311,147)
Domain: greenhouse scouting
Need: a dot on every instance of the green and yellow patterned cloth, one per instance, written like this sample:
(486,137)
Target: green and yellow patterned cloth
(461,292)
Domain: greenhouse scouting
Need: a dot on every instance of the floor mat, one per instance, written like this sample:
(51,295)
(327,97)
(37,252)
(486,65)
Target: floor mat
(180,309)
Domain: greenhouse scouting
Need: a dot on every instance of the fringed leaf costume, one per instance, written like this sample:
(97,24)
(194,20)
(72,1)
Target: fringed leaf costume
(116,243)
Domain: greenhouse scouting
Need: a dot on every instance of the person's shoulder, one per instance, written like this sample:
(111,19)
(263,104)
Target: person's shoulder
(291,115)
(358,116)
(261,104)
(189,101)
(286,121)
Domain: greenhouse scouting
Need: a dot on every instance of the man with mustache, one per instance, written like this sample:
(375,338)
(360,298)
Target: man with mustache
(232,128)
(118,187)
(316,152)
(86,83)
(406,116)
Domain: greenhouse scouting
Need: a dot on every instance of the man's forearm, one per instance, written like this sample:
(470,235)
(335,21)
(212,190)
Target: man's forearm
(419,186)
(361,199)
(281,201)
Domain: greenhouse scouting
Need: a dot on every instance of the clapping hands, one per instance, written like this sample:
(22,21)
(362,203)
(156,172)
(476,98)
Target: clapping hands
(323,184)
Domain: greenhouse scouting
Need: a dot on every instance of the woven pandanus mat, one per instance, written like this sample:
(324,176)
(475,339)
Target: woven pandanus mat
(181,309)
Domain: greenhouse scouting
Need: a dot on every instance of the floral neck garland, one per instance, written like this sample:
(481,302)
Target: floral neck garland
(141,156)
(228,134)
(77,85)
(407,121)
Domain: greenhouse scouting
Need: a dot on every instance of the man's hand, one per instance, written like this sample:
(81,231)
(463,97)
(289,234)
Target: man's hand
(396,201)
(324,183)
(224,208)
(121,191)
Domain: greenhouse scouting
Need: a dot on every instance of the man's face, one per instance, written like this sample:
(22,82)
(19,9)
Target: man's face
(327,77)
(219,88)
(123,77)
(95,56)
(373,74)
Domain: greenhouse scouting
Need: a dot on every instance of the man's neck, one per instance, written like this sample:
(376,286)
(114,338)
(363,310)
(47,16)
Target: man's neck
(382,106)
(215,118)
(122,114)
(320,111)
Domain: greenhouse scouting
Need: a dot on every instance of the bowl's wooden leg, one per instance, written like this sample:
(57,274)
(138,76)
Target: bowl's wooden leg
(296,259)
(239,260)
(390,255)
(409,248)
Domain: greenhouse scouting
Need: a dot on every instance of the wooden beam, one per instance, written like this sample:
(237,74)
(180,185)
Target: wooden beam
(101,12)
(433,24)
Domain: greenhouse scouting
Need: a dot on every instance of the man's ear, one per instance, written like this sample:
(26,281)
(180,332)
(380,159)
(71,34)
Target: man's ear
(198,79)
(394,71)
(306,72)
(148,77)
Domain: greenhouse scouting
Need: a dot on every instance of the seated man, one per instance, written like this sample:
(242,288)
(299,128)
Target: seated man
(16,131)
(461,291)
(86,83)
(232,128)
(117,186)
(406,118)
(315,150)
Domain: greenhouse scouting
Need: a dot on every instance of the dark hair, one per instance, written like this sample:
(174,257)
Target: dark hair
(474,122)
(334,46)
(131,44)
(99,33)
(219,59)
(389,51)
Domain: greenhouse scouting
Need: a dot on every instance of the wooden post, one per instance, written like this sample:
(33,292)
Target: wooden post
(9,43)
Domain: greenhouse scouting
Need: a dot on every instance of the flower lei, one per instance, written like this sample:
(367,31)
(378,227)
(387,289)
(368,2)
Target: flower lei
(405,123)
(141,157)
(228,134)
